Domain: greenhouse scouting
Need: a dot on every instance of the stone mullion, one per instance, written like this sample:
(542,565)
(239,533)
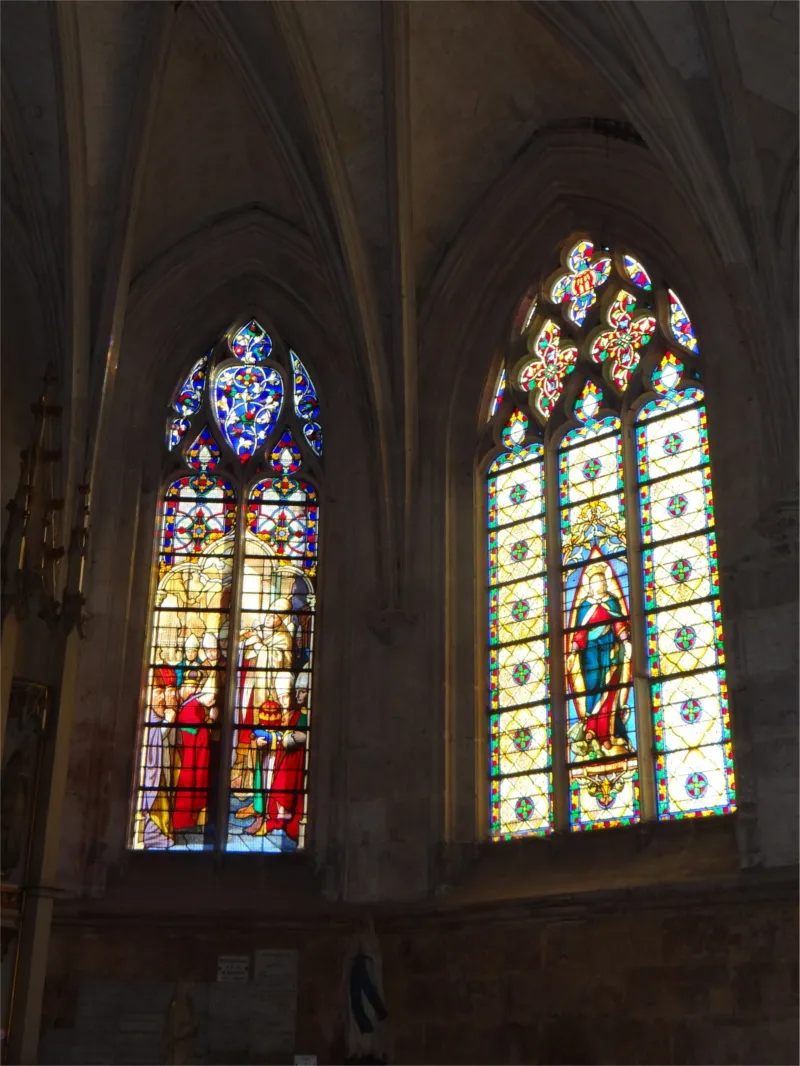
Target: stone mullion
(231,675)
(639,671)
(558,695)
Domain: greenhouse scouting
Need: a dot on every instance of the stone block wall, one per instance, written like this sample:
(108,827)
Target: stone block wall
(692,975)
(689,982)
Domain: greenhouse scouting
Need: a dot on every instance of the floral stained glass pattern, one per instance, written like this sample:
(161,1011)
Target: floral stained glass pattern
(283,514)
(681,324)
(186,402)
(629,529)
(190,394)
(251,344)
(176,431)
(515,430)
(544,375)
(636,272)
(247,402)
(306,404)
(520,784)
(578,286)
(621,344)
(204,453)
(197,512)
(285,456)
(227,551)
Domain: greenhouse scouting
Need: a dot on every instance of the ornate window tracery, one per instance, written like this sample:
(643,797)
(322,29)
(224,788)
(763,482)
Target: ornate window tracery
(606,667)
(224,731)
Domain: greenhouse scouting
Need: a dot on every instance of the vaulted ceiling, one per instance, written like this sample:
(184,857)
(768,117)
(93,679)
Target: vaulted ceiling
(375,129)
(481,78)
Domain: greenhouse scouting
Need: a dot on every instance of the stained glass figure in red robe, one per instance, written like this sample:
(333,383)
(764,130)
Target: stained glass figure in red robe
(192,743)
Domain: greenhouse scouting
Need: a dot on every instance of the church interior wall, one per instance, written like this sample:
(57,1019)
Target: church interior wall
(21,333)
(350,867)
(659,942)
(666,976)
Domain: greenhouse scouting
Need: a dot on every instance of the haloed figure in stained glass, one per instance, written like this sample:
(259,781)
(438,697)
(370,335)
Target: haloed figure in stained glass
(599,492)
(183,700)
(241,519)
(280,764)
(598,665)
(269,759)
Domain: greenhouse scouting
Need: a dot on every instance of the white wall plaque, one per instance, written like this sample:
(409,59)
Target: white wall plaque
(233,968)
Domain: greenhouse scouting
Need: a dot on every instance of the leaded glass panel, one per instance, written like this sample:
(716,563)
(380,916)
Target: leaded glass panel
(224,752)
(606,491)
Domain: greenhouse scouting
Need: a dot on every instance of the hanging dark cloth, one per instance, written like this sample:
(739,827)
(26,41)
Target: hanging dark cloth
(361,988)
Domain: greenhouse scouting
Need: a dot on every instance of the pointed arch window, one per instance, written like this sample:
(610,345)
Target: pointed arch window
(606,668)
(225,722)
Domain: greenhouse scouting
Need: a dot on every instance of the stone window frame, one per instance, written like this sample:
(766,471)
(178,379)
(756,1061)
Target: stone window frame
(564,181)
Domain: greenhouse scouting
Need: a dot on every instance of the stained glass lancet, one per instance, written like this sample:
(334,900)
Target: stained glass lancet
(622,669)
(521,779)
(225,729)
(601,727)
(694,757)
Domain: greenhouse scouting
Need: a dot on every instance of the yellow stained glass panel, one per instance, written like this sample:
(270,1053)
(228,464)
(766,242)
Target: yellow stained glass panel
(684,639)
(522,673)
(521,740)
(521,804)
(681,571)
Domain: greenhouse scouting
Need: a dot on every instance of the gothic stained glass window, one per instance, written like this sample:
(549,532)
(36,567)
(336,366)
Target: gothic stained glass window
(607,695)
(225,727)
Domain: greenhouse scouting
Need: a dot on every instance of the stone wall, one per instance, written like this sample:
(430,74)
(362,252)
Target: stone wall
(700,975)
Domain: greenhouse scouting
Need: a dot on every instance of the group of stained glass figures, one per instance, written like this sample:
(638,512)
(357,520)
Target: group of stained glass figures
(223,562)
(601,312)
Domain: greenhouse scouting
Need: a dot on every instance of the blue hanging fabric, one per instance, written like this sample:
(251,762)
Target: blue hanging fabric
(362,988)
(364,1003)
